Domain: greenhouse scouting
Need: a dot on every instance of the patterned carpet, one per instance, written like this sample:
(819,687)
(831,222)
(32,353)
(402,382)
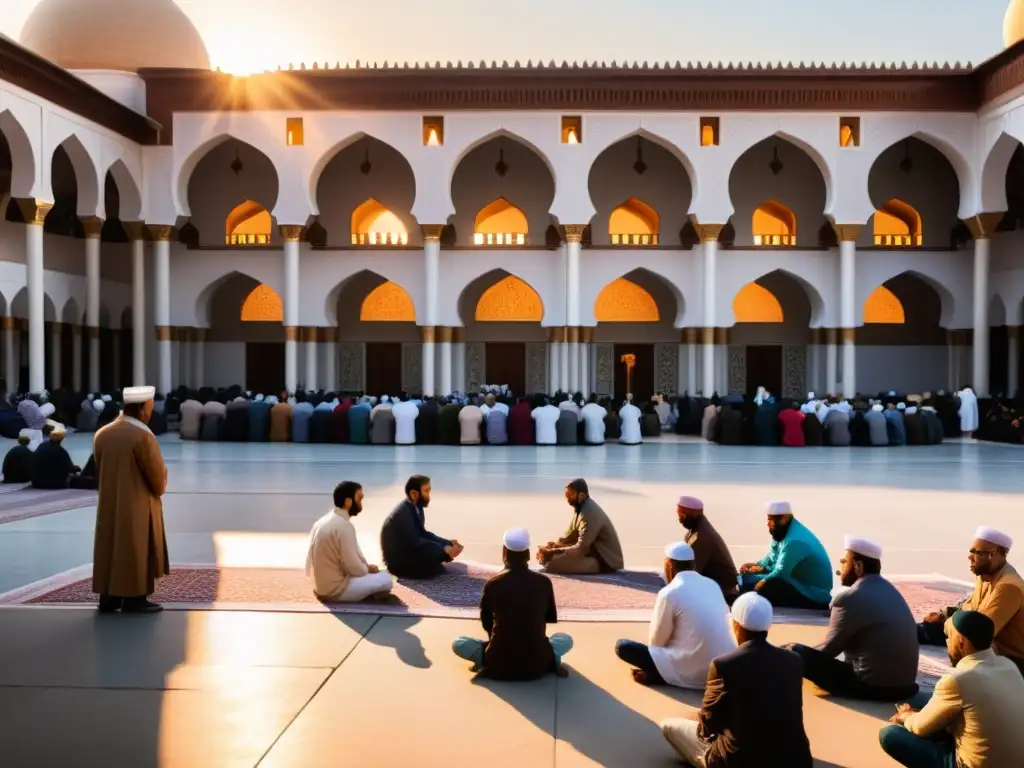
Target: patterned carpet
(23,503)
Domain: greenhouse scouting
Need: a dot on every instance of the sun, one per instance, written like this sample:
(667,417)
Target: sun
(241,58)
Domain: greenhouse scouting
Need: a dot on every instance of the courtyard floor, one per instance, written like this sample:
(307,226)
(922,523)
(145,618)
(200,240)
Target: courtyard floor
(289,685)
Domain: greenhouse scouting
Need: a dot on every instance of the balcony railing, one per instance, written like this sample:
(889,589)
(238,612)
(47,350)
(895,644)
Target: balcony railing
(380,238)
(625,238)
(499,238)
(899,241)
(775,240)
(249,239)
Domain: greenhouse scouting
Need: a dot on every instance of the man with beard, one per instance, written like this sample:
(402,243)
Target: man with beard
(872,626)
(411,551)
(998,593)
(335,562)
(711,557)
(591,544)
(796,572)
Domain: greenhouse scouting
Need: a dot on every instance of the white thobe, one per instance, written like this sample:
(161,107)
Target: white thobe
(337,565)
(405,414)
(690,627)
(968,412)
(593,423)
(545,419)
(629,416)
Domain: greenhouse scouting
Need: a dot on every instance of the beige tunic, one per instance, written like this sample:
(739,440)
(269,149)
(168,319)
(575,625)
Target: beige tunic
(130,550)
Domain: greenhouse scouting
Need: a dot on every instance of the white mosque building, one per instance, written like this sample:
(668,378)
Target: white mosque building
(431,227)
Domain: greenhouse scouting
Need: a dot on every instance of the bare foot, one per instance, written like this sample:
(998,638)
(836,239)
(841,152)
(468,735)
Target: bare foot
(640,676)
(561,671)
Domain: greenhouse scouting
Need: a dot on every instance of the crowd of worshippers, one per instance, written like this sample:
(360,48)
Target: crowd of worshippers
(491,417)
(752,711)
(887,419)
(1001,419)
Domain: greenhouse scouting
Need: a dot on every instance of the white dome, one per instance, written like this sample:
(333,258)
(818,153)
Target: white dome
(114,34)
(1013,23)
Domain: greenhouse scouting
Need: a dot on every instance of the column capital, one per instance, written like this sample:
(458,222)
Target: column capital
(983,226)
(722,336)
(8,323)
(847,233)
(586,334)
(707,336)
(328,335)
(814,335)
(291,333)
(92,331)
(574,334)
(136,230)
(93,226)
(76,329)
(427,334)
(458,334)
(291,233)
(687,335)
(830,335)
(444,334)
(34,211)
(574,232)
(311,333)
(708,233)
(164,333)
(161,233)
(432,232)
(849,335)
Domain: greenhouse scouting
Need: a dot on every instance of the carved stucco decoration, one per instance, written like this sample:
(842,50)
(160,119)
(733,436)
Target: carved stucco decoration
(623,301)
(883,306)
(756,304)
(476,357)
(737,369)
(794,370)
(351,356)
(388,303)
(604,368)
(412,367)
(263,305)
(536,368)
(510,300)
(666,370)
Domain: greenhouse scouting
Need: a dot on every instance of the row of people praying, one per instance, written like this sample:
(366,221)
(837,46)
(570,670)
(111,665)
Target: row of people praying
(47,466)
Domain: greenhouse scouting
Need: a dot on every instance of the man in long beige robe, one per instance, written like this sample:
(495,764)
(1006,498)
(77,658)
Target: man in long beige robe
(130,551)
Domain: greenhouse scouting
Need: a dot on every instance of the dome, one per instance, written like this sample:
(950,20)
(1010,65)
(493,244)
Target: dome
(1013,23)
(114,34)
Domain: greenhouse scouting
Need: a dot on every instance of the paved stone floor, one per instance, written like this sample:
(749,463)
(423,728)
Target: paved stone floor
(232,688)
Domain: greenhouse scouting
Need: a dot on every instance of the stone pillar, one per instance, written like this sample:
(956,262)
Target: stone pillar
(459,360)
(709,239)
(56,379)
(291,234)
(311,336)
(199,358)
(1012,359)
(847,235)
(554,360)
(444,339)
(586,360)
(10,334)
(431,289)
(690,340)
(136,233)
(329,356)
(574,358)
(831,362)
(573,248)
(563,360)
(93,227)
(76,357)
(722,361)
(161,313)
(427,336)
(982,227)
(35,212)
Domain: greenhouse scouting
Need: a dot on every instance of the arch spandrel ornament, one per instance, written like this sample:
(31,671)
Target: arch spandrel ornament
(510,300)
(263,305)
(388,303)
(623,301)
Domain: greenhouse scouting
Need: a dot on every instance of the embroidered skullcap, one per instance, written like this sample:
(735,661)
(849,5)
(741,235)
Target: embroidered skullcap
(138,394)
(98,406)
(690,502)
(680,551)
(752,612)
(992,536)
(778,508)
(976,627)
(864,547)
(517,540)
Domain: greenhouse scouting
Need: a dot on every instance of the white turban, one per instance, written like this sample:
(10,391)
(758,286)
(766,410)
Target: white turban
(901,406)
(864,547)
(778,508)
(992,536)
(259,398)
(680,551)
(138,394)
(876,407)
(517,540)
(98,406)
(752,612)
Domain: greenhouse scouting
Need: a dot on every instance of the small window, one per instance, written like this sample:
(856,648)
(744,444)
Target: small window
(849,132)
(294,135)
(572,130)
(709,131)
(433,131)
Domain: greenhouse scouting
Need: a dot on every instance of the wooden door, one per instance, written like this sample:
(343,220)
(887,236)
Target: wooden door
(383,368)
(264,366)
(641,382)
(764,369)
(505,363)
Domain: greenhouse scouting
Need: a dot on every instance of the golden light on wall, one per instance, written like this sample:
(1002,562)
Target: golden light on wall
(898,225)
(774,224)
(510,300)
(263,305)
(374,224)
(248,224)
(388,303)
(756,304)
(500,223)
(633,223)
(623,301)
(884,307)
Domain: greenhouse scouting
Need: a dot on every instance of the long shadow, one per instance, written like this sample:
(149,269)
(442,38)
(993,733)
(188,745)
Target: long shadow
(395,634)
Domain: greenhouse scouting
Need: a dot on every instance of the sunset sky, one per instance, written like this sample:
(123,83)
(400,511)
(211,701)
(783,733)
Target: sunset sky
(250,35)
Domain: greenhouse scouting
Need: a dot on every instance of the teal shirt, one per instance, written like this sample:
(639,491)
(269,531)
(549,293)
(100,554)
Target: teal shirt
(801,560)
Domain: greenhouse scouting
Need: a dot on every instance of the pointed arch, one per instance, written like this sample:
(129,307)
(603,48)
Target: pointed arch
(510,300)
(262,305)
(387,303)
(809,149)
(773,224)
(23,157)
(756,304)
(898,225)
(666,144)
(884,307)
(623,301)
(374,224)
(499,134)
(994,172)
(205,298)
(188,167)
(248,223)
(961,168)
(324,160)
(634,222)
(500,223)
(86,176)
(71,313)
(128,192)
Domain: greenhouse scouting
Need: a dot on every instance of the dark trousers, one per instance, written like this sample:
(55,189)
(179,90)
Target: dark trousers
(637,655)
(781,594)
(916,751)
(838,678)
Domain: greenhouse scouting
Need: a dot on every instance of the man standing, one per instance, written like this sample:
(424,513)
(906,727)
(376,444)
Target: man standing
(711,556)
(690,627)
(753,708)
(872,626)
(515,608)
(411,551)
(796,572)
(130,551)
(591,544)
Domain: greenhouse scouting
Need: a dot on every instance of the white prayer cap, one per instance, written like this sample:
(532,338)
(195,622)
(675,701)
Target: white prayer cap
(864,547)
(385,399)
(138,394)
(901,406)
(778,508)
(992,536)
(517,540)
(58,429)
(752,612)
(98,406)
(691,502)
(876,407)
(680,551)
(259,398)
(272,399)
(27,433)
(47,409)
(107,398)
(810,395)
(90,397)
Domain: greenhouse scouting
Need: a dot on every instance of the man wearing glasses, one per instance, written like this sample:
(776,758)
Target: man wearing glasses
(998,593)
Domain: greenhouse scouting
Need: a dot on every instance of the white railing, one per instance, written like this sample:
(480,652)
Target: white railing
(625,238)
(250,239)
(499,238)
(380,238)
(772,240)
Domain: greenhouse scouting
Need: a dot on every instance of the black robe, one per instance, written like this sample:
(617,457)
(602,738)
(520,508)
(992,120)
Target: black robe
(52,466)
(729,426)
(18,464)
(427,424)
(612,426)
(320,426)
(812,429)
(236,422)
(409,550)
(860,430)
(449,428)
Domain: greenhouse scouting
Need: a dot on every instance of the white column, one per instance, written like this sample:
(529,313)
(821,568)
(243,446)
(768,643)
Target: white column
(329,357)
(691,361)
(431,289)
(444,356)
(831,362)
(563,361)
(11,372)
(35,213)
(573,247)
(1012,359)
(139,314)
(847,234)
(586,386)
(93,227)
(291,234)
(979,359)
(554,360)
(56,379)
(709,239)
(459,361)
(574,359)
(722,361)
(310,349)
(76,358)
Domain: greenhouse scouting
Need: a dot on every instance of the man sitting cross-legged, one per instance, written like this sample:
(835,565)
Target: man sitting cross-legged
(591,544)
(411,551)
(515,607)
(335,562)
(691,626)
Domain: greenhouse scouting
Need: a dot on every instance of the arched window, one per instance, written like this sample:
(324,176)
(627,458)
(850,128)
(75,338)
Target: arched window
(263,305)
(883,306)
(633,223)
(373,224)
(509,300)
(500,223)
(388,303)
(898,225)
(774,224)
(248,224)
(623,301)
(756,304)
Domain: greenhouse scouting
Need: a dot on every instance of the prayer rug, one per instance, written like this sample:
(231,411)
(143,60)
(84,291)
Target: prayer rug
(28,502)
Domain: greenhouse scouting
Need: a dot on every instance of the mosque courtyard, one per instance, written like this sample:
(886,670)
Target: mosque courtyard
(242,672)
